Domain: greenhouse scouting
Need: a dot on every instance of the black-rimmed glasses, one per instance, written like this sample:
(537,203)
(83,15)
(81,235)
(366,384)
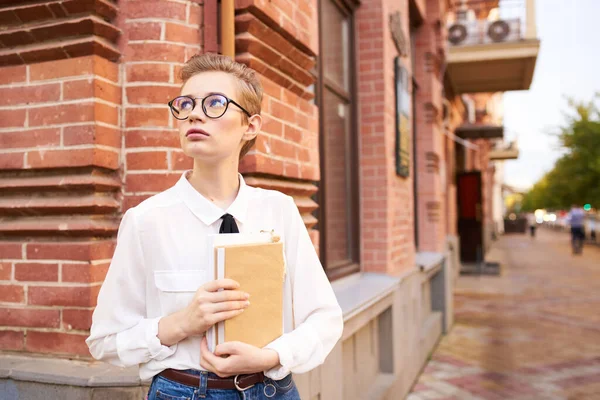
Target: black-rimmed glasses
(213,105)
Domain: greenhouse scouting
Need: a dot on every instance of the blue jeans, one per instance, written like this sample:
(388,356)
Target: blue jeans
(164,389)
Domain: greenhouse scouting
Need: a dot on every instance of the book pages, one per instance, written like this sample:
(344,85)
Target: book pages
(260,269)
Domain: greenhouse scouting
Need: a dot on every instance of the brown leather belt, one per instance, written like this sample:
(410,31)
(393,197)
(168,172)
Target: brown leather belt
(239,382)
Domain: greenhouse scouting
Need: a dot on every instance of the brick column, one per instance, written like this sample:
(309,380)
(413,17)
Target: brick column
(386,199)
(456,112)
(431,192)
(277,40)
(60,140)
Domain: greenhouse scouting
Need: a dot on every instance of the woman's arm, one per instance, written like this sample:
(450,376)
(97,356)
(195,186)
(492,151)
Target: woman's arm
(120,333)
(318,317)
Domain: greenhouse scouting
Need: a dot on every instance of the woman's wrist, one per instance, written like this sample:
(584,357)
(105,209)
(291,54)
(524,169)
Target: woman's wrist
(172,329)
(271,359)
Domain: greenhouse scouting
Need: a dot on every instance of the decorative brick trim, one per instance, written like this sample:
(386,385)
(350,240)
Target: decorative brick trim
(57,30)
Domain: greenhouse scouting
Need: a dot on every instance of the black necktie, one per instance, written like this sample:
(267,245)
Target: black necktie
(228,225)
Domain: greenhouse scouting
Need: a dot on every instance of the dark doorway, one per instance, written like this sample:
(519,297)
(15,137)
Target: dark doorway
(470,221)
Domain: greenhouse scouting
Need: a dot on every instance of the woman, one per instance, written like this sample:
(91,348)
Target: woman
(159,299)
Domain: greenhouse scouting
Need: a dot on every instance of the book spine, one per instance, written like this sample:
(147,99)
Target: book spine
(221,275)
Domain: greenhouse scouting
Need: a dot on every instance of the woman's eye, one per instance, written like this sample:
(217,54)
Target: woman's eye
(216,103)
(186,104)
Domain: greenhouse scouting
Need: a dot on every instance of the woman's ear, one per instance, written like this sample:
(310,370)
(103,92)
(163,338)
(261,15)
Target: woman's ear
(254,125)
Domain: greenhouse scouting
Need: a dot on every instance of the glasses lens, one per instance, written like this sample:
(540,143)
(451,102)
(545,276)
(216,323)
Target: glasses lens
(215,105)
(182,107)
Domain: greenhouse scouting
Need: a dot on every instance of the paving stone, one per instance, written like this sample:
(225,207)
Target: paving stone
(532,333)
(431,395)
(419,387)
(35,391)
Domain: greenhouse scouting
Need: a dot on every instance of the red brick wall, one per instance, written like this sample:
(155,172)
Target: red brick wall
(430,138)
(374,173)
(60,114)
(55,115)
(387,220)
(387,200)
(60,148)
(47,294)
(400,190)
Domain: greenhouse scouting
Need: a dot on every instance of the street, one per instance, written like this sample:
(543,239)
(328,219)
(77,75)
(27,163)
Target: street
(531,333)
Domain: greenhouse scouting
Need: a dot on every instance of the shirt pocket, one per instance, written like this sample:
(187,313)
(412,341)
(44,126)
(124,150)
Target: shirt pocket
(177,288)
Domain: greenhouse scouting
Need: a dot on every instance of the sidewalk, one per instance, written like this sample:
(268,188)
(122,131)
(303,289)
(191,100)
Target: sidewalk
(531,333)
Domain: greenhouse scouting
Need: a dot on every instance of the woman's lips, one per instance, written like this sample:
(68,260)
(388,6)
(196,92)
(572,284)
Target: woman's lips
(197,134)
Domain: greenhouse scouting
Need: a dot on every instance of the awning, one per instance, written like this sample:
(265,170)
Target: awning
(480,131)
(460,141)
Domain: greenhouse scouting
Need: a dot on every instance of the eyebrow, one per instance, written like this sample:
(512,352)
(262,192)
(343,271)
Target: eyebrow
(208,94)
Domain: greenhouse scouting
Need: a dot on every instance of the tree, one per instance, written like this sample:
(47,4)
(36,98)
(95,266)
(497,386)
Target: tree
(575,177)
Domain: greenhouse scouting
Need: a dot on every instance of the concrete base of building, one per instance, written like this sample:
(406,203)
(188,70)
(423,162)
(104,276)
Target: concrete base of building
(20,390)
(392,324)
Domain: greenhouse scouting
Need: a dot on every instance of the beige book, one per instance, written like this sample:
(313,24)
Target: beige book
(259,268)
(218,240)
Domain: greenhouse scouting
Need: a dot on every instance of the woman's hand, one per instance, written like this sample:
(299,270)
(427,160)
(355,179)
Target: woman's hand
(208,307)
(241,358)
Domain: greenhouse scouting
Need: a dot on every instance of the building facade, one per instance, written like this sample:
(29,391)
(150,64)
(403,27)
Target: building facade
(372,124)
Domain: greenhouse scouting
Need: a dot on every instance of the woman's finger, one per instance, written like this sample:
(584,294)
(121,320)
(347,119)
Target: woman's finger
(205,356)
(222,316)
(228,306)
(227,348)
(213,363)
(228,295)
(228,284)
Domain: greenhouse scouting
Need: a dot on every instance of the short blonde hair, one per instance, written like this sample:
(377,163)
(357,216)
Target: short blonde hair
(250,90)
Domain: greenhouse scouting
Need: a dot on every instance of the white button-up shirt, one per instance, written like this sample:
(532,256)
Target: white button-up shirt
(160,262)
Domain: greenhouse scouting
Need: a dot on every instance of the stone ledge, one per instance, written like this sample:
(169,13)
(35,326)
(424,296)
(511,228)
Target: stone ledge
(67,372)
(428,261)
(358,292)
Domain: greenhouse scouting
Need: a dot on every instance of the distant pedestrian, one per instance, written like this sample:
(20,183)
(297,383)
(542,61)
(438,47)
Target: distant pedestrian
(532,224)
(576,220)
(592,225)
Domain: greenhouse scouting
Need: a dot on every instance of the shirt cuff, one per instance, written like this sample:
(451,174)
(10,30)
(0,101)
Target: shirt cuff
(158,351)
(285,359)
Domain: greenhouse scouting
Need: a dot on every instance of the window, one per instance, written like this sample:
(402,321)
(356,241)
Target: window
(338,191)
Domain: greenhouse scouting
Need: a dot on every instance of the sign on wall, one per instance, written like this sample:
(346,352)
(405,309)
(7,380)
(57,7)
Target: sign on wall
(402,119)
(398,33)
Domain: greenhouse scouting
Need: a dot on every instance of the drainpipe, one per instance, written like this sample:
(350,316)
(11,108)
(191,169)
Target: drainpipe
(228,28)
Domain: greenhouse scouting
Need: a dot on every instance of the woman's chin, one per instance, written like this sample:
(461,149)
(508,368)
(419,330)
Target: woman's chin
(201,154)
(196,150)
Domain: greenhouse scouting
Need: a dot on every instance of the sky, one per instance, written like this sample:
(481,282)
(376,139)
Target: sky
(568,66)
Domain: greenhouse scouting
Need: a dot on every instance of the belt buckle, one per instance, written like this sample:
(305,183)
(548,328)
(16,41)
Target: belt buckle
(237,386)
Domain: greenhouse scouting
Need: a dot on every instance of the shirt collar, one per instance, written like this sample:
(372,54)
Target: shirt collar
(206,210)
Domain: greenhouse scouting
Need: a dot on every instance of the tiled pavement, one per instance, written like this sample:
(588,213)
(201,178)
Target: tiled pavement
(532,333)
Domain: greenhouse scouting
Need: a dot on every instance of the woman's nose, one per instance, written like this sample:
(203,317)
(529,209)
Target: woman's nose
(196,114)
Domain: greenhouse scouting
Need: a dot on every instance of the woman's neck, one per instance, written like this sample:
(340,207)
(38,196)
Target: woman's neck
(217,183)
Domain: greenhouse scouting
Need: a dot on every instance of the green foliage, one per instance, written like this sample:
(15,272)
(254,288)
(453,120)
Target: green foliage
(575,178)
